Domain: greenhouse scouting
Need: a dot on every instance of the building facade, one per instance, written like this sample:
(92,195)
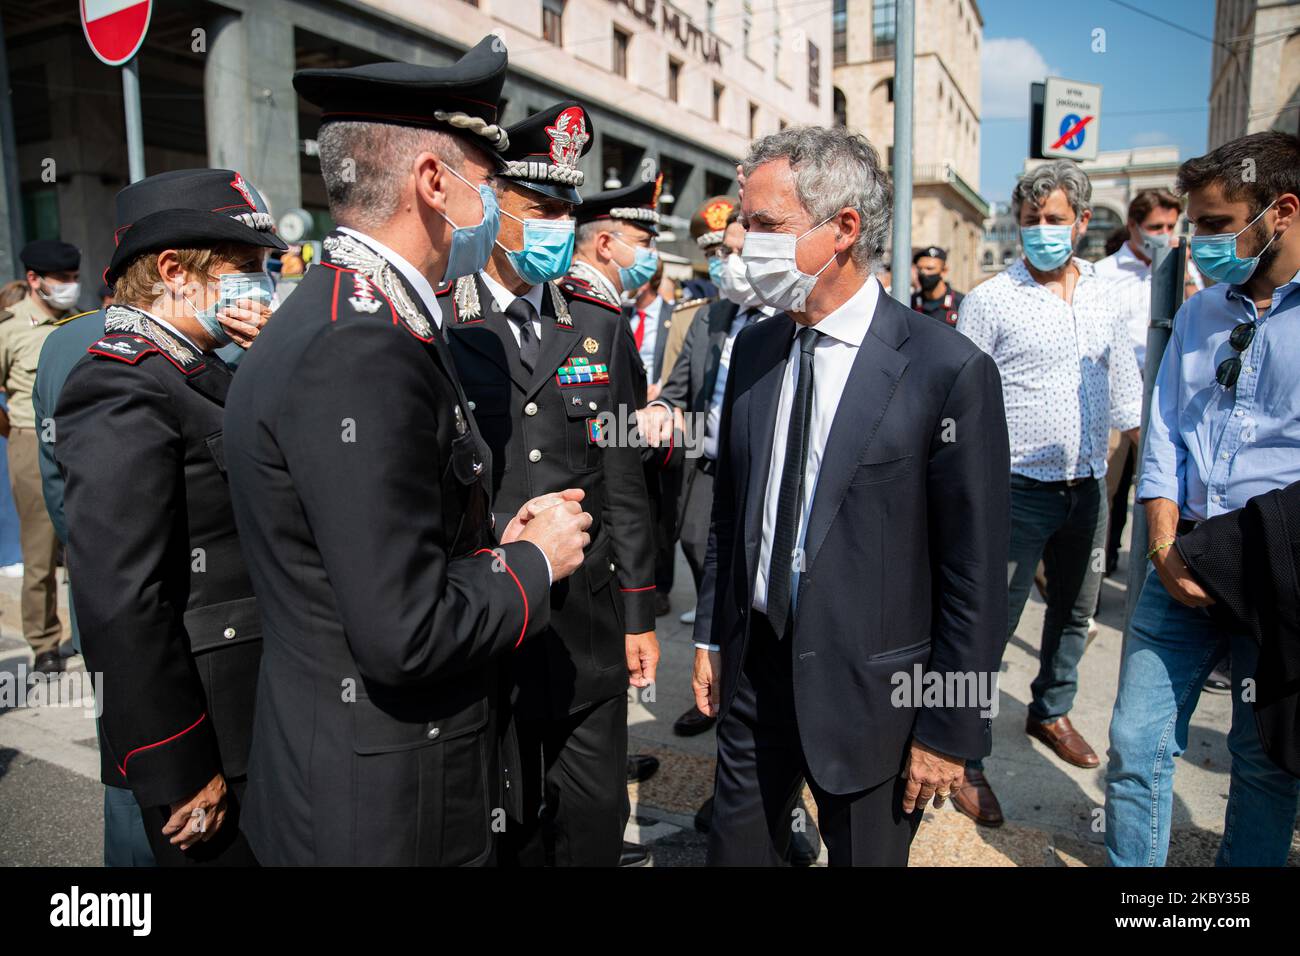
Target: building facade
(947,209)
(679,88)
(1255,73)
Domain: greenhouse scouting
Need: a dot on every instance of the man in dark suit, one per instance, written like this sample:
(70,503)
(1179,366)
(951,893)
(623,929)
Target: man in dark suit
(359,480)
(163,596)
(547,375)
(860,525)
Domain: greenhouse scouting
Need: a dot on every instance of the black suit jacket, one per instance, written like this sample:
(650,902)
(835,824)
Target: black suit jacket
(359,484)
(906,546)
(691,380)
(163,598)
(523,414)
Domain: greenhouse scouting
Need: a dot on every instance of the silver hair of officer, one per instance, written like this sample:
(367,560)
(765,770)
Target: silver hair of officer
(365,166)
(1041,181)
(833,170)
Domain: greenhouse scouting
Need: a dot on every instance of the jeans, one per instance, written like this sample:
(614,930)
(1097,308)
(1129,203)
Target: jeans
(1066,529)
(1168,652)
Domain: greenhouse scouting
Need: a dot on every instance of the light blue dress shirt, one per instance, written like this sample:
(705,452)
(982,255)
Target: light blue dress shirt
(1210,448)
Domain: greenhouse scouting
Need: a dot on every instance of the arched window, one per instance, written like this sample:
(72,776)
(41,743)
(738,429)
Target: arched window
(841,107)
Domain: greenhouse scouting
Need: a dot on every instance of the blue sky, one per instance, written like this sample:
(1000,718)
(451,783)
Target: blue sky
(1155,78)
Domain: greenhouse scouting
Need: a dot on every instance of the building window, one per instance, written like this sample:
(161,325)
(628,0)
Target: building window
(621,41)
(841,107)
(840,27)
(710,15)
(553,21)
(674,78)
(746,26)
(814,74)
(753,120)
(717,102)
(884,22)
(889,90)
(776,40)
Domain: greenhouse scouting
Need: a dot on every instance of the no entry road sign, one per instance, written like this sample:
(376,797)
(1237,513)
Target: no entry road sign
(115,28)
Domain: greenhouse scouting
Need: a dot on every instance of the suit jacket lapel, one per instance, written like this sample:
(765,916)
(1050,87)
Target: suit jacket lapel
(872,381)
(505,350)
(719,317)
(773,340)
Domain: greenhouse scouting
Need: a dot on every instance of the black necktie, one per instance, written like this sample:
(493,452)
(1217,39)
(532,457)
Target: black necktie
(520,311)
(789,504)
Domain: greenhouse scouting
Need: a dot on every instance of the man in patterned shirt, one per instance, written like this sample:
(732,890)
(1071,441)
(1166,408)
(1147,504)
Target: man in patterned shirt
(1068,375)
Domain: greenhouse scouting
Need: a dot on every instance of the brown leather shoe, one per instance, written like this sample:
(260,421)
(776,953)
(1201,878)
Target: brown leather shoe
(976,799)
(1065,741)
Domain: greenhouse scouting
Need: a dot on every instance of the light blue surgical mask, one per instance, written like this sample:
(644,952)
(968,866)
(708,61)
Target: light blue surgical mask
(1047,247)
(717,266)
(547,252)
(642,268)
(1216,256)
(471,246)
(234,287)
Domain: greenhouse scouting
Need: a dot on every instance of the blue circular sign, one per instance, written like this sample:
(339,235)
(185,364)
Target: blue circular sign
(1069,122)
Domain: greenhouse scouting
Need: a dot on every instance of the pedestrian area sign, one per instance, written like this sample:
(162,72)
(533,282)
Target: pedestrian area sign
(1071,119)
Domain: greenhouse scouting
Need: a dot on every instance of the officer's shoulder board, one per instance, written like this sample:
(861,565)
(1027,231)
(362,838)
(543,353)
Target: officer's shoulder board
(691,304)
(574,288)
(124,347)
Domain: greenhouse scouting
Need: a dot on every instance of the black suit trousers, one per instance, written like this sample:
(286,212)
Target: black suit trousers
(762,769)
(573,771)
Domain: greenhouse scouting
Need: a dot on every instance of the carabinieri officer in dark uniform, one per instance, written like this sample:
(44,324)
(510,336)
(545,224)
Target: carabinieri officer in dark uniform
(163,599)
(547,376)
(935,298)
(360,482)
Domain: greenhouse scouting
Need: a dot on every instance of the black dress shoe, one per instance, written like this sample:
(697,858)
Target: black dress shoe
(662,605)
(633,855)
(50,662)
(641,767)
(693,722)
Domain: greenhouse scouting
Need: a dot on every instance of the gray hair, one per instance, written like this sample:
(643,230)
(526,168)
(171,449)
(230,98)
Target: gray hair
(365,165)
(834,169)
(1041,181)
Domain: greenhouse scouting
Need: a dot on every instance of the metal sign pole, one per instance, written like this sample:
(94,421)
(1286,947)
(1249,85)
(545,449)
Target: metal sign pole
(134,124)
(1167,278)
(904,74)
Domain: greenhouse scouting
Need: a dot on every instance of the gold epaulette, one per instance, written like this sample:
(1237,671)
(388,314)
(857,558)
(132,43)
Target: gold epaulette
(690,303)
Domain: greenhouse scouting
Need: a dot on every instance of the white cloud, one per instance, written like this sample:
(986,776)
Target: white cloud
(1007,66)
(1152,137)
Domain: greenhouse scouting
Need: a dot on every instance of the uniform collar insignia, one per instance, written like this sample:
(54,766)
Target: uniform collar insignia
(125,318)
(349,253)
(600,286)
(469,308)
(563,320)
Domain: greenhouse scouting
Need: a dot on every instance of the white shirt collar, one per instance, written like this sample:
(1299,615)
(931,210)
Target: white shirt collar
(849,323)
(503,296)
(412,275)
(1126,258)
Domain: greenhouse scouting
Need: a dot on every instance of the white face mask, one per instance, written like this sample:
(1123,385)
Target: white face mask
(771,270)
(62,295)
(734,283)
